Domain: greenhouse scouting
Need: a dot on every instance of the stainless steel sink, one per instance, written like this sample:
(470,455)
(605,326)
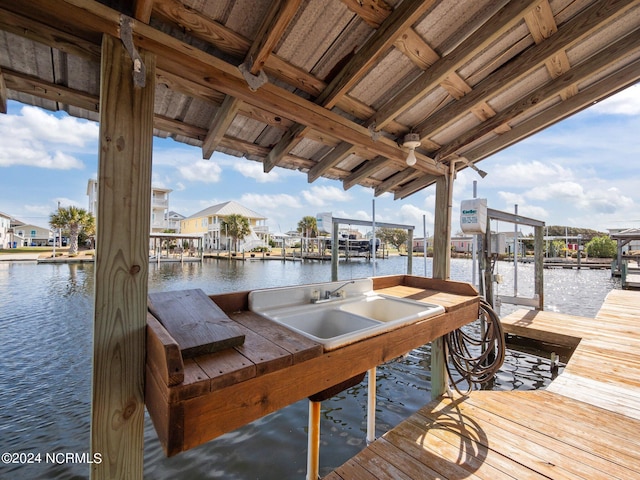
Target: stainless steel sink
(343,321)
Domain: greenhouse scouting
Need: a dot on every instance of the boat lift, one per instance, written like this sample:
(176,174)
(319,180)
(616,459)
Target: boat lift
(488,254)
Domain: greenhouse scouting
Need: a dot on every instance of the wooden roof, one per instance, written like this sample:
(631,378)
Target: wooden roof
(330,87)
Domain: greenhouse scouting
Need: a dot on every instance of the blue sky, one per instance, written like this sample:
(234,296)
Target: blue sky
(581,172)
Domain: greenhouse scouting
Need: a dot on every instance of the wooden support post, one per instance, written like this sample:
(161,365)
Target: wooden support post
(122,264)
(441,271)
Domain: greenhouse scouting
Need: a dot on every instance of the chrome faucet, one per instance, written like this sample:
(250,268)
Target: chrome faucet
(331,294)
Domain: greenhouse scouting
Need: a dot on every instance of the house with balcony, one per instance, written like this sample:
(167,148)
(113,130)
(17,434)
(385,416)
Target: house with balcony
(173,220)
(208,222)
(159,221)
(27,235)
(6,232)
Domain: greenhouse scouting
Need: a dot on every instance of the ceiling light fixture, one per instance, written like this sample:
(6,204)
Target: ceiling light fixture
(411,141)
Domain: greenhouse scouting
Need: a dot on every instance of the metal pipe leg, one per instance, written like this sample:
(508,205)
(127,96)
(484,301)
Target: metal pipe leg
(313,450)
(371,406)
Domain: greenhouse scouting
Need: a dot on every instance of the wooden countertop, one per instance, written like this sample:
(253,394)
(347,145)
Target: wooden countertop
(218,392)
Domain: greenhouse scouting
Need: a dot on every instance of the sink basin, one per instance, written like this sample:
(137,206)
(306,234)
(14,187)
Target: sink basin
(390,309)
(325,323)
(342,321)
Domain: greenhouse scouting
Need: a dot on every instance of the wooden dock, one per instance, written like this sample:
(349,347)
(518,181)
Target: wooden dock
(584,426)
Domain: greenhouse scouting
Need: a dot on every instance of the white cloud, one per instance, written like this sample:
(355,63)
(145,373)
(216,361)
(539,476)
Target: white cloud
(256,171)
(47,127)
(201,171)
(36,138)
(322,195)
(570,191)
(267,202)
(626,102)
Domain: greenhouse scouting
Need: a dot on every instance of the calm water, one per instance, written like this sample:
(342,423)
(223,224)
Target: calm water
(46,324)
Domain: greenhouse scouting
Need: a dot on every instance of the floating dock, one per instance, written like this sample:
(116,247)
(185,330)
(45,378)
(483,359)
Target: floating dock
(584,426)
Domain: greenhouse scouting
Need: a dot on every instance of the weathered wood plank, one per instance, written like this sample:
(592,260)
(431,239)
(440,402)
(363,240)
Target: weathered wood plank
(121,265)
(163,353)
(301,348)
(195,322)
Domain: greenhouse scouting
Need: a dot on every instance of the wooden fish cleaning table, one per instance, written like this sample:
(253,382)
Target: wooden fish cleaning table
(194,400)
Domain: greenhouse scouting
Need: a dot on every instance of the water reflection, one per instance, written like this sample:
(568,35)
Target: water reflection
(46,314)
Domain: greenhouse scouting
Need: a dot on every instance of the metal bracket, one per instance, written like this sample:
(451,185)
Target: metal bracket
(375,135)
(254,81)
(126,35)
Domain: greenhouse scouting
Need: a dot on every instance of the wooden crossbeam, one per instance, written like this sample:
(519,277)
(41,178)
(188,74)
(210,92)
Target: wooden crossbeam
(502,21)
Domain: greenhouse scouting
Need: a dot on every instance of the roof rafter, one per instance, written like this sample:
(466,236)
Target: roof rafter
(400,19)
(274,25)
(364,171)
(612,54)
(606,86)
(507,17)
(275,22)
(582,25)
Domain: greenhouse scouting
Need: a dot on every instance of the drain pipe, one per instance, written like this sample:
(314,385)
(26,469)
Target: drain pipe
(371,406)
(313,449)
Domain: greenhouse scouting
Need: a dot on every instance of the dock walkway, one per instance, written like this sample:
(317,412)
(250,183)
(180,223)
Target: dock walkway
(584,426)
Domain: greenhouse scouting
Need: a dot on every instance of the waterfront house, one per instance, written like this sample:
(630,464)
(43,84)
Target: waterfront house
(6,233)
(208,223)
(172,220)
(27,235)
(462,244)
(159,219)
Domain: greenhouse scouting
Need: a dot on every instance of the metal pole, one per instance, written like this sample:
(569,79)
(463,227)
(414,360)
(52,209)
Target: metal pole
(373,237)
(474,242)
(424,243)
(371,406)
(515,256)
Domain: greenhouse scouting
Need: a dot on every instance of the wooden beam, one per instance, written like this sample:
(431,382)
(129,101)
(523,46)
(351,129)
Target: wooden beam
(606,86)
(142,10)
(364,171)
(121,266)
(582,25)
(330,160)
(48,35)
(413,186)
(441,271)
(496,26)
(4,95)
(396,179)
(378,44)
(200,26)
(373,12)
(276,22)
(51,91)
(405,15)
(220,124)
(627,46)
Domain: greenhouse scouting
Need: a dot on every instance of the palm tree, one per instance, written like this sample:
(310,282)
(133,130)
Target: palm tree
(236,226)
(308,226)
(74,220)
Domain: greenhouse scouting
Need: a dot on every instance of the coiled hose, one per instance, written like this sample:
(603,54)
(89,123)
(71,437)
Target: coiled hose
(476,360)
